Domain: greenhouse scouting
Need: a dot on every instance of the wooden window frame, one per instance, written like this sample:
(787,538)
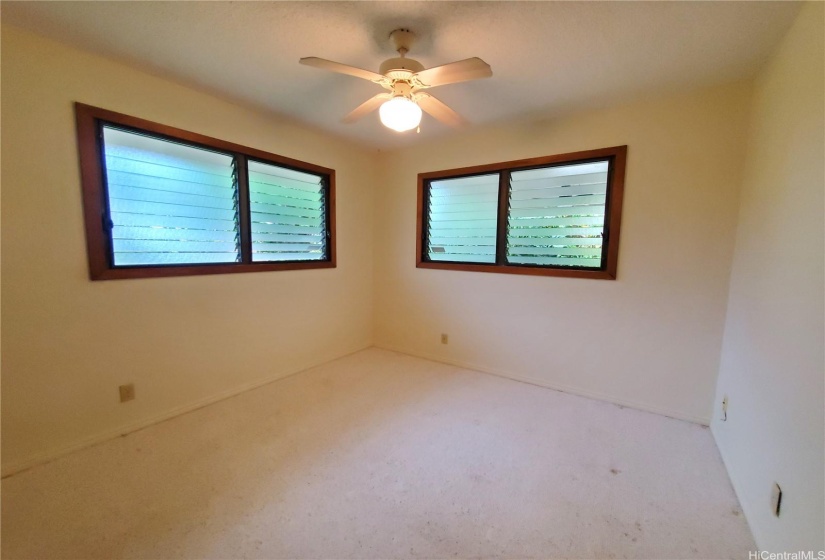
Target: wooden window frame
(90,122)
(616,157)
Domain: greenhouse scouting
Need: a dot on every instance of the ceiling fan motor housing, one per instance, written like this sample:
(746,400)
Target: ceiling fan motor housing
(400,68)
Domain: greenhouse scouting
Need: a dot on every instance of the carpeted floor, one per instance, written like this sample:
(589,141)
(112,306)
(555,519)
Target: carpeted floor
(381,455)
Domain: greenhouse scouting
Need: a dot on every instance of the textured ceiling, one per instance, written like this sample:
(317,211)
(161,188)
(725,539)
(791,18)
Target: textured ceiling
(546,57)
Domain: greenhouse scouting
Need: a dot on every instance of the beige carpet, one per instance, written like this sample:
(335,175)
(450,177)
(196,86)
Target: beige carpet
(381,455)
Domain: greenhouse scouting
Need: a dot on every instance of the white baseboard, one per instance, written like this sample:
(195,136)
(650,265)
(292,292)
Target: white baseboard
(738,489)
(57,452)
(704,421)
(54,453)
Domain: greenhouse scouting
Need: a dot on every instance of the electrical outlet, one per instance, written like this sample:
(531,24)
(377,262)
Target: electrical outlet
(725,408)
(776,499)
(127,392)
(444,339)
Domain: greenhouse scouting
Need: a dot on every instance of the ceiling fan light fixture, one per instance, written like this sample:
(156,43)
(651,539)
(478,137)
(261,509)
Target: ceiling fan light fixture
(400,114)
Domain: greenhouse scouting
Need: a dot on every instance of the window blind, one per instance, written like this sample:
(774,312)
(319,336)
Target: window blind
(169,203)
(462,216)
(557,215)
(288,214)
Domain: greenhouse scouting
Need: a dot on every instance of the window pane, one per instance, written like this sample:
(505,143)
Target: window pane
(556,215)
(288,214)
(169,203)
(461,219)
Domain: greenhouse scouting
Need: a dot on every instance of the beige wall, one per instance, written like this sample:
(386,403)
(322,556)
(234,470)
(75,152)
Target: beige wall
(772,360)
(70,342)
(649,339)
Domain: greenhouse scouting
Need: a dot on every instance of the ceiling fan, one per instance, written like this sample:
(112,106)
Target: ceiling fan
(407,79)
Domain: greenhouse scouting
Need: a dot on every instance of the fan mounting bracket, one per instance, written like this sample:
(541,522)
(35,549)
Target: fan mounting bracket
(402,39)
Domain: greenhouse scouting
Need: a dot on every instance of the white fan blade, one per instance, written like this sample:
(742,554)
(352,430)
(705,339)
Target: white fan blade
(439,111)
(461,71)
(367,106)
(325,64)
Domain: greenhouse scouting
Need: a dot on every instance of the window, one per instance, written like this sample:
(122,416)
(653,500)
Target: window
(552,216)
(159,201)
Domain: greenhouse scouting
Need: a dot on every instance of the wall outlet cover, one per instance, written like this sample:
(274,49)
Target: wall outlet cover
(127,392)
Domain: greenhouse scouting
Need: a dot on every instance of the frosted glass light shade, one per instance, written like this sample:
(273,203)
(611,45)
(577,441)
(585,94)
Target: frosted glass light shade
(400,114)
